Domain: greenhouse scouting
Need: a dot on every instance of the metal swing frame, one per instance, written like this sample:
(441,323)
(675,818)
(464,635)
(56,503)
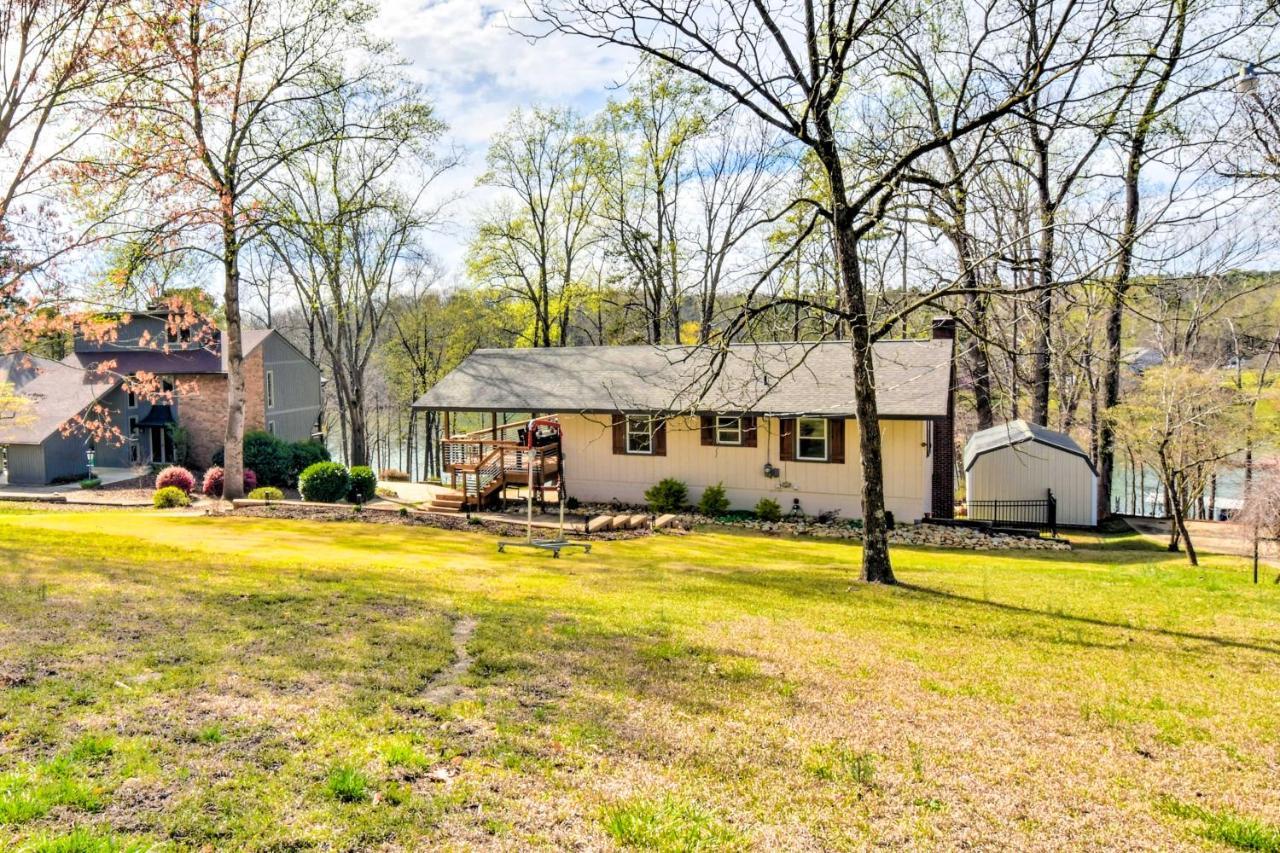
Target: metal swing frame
(558,544)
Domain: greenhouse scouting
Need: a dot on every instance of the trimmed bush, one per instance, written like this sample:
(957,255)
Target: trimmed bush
(393,475)
(713,500)
(272,458)
(267,493)
(90,483)
(768,510)
(324,482)
(303,455)
(669,495)
(170,497)
(178,477)
(212,486)
(363,484)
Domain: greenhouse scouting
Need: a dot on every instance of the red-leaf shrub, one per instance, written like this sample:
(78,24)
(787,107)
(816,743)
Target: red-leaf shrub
(213,481)
(178,477)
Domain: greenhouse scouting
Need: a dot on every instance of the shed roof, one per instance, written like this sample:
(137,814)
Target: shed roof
(1017,432)
(913,379)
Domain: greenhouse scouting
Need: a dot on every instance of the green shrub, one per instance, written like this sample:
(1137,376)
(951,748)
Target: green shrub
(182,444)
(572,503)
(713,501)
(363,484)
(90,483)
(767,509)
(669,495)
(266,493)
(170,497)
(324,482)
(271,458)
(303,455)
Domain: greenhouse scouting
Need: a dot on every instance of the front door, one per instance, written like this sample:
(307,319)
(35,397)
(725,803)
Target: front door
(161,445)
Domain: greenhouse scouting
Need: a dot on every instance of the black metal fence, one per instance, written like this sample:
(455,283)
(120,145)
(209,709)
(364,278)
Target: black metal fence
(1031,515)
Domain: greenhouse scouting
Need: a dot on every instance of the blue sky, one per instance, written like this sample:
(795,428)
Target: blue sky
(477,71)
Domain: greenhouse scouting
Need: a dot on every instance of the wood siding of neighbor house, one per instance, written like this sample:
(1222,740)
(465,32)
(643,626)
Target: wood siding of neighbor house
(1026,471)
(593,472)
(25,463)
(296,383)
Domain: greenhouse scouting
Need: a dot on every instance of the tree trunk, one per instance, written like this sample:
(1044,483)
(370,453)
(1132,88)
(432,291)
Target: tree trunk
(876,566)
(233,444)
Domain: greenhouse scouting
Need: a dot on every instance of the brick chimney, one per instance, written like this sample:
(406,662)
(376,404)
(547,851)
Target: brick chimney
(943,499)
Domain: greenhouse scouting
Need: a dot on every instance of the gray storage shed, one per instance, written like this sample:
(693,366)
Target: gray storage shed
(1020,461)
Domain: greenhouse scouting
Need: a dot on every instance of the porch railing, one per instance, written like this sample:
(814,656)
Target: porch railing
(1024,514)
(480,462)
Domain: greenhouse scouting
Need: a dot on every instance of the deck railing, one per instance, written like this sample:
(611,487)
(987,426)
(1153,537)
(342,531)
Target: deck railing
(1027,514)
(476,461)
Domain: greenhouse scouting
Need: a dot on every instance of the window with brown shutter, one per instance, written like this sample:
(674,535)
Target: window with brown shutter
(619,434)
(708,430)
(835,430)
(659,438)
(787,439)
(749,431)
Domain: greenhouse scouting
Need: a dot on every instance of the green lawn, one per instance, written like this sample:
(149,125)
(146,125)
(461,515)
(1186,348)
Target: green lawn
(183,682)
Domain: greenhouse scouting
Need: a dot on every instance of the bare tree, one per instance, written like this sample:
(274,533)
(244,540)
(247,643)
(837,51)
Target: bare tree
(345,233)
(793,64)
(218,101)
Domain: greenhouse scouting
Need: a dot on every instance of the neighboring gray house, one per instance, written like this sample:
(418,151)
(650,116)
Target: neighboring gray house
(282,390)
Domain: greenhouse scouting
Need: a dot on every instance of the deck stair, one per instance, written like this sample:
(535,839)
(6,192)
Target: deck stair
(450,501)
(482,464)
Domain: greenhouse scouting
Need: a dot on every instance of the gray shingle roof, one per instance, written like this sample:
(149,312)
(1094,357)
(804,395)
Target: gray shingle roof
(1017,432)
(912,379)
(19,368)
(57,394)
(176,362)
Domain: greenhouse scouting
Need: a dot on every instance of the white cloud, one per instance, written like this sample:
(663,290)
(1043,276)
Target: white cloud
(478,70)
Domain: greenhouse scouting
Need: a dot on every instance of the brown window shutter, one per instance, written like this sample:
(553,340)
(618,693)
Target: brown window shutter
(619,434)
(748,431)
(708,430)
(659,438)
(835,448)
(787,439)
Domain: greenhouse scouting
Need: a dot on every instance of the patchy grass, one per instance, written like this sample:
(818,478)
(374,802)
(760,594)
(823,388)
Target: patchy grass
(230,683)
(1242,833)
(667,824)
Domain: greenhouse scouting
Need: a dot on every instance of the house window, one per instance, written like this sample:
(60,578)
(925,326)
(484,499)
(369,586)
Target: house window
(728,430)
(639,434)
(133,392)
(271,427)
(271,390)
(811,439)
(133,439)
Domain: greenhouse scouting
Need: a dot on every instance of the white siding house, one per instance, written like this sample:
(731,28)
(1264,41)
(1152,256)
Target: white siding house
(769,420)
(1019,461)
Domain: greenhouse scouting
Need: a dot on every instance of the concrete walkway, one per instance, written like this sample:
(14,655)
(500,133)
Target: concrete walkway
(109,477)
(70,492)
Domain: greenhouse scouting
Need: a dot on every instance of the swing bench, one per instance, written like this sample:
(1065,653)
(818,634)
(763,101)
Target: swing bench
(559,543)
